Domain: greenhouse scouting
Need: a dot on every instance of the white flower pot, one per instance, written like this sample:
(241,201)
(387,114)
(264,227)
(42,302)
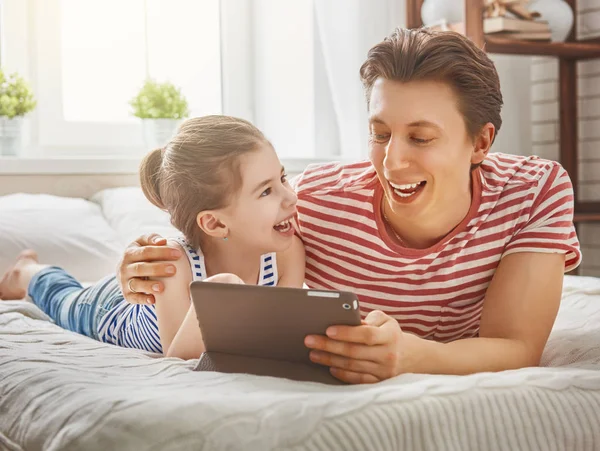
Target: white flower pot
(558,14)
(158,132)
(11,133)
(434,11)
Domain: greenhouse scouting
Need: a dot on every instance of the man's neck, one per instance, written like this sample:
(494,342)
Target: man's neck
(423,233)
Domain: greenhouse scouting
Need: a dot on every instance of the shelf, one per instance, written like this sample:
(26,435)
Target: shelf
(586,217)
(590,40)
(587,212)
(569,50)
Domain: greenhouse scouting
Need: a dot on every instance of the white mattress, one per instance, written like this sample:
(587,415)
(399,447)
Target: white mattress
(59,390)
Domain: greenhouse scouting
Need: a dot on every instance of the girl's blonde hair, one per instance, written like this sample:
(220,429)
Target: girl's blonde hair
(199,169)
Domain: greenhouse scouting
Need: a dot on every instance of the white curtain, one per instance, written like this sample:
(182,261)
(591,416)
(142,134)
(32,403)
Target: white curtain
(344,32)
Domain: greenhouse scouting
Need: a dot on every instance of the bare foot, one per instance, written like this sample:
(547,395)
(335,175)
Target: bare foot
(12,284)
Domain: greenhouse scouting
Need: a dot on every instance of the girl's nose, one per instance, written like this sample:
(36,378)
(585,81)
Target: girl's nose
(291,198)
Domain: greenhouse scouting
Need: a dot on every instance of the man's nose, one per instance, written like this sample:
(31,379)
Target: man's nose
(398,155)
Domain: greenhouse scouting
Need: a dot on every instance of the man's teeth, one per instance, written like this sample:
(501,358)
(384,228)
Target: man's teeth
(401,194)
(405,187)
(406,190)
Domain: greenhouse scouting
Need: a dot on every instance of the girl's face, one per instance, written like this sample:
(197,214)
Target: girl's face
(260,215)
(420,147)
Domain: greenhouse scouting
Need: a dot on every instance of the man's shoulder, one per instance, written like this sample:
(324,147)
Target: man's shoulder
(504,171)
(329,178)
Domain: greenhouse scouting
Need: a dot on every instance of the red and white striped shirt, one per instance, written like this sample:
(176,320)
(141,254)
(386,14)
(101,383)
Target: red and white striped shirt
(520,204)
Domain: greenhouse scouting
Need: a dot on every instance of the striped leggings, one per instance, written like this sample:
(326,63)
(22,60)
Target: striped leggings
(70,305)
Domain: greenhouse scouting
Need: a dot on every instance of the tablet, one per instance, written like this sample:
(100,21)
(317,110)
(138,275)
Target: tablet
(268,322)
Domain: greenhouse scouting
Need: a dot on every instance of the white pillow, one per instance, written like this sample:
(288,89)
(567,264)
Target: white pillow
(131,215)
(66,232)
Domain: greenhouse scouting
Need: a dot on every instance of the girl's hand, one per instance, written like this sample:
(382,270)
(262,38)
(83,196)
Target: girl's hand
(369,353)
(148,256)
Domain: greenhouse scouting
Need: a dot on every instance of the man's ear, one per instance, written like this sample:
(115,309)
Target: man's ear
(211,225)
(483,143)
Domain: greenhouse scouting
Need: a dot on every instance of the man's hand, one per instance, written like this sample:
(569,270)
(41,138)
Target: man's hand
(369,353)
(146,257)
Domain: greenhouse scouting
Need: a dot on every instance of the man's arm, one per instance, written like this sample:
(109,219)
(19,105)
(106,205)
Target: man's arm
(519,310)
(518,314)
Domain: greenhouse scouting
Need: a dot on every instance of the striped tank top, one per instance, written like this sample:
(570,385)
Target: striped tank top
(136,325)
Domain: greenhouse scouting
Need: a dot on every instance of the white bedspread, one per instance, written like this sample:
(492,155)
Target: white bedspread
(59,390)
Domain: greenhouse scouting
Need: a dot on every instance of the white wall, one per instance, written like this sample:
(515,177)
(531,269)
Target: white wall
(284,75)
(515,135)
(546,131)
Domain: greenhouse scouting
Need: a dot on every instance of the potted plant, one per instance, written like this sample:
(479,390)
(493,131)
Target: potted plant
(161,106)
(16,100)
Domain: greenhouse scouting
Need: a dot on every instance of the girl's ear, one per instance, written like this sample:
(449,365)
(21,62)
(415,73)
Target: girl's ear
(211,225)
(483,142)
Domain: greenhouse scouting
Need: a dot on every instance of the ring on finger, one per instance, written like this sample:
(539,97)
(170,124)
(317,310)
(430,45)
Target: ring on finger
(129,286)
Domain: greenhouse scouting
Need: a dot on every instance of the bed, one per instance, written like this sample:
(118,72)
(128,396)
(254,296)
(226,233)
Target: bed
(62,391)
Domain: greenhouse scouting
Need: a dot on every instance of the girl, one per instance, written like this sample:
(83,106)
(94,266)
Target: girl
(227,192)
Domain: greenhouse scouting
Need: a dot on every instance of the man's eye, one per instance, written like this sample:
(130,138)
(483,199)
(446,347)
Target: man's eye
(379,137)
(421,141)
(265,192)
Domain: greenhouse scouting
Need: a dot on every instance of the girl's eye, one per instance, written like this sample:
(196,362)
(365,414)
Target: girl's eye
(265,192)
(284,178)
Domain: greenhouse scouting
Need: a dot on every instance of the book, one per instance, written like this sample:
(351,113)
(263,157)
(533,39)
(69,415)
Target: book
(525,35)
(501,25)
(499,8)
(497,24)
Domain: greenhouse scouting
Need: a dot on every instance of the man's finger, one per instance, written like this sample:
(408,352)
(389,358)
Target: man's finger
(348,349)
(377,318)
(366,334)
(150,239)
(139,298)
(146,287)
(151,254)
(352,377)
(151,269)
(343,363)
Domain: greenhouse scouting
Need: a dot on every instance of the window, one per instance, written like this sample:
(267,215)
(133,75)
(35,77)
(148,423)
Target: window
(88,58)
(109,47)
(290,67)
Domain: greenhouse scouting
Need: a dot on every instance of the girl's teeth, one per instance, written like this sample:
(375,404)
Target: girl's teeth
(283,226)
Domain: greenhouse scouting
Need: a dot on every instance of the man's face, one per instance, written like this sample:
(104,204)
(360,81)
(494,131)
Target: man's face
(419,147)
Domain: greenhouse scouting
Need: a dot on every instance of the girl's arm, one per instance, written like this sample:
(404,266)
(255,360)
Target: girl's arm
(291,264)
(173,303)
(187,343)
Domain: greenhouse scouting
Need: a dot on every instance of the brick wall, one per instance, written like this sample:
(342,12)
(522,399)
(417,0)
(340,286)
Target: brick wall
(545,128)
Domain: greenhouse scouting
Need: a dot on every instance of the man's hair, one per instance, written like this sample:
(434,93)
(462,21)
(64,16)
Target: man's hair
(444,56)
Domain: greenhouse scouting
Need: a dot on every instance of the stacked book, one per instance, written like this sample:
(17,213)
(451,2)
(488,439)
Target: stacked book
(508,19)
(514,28)
(511,19)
